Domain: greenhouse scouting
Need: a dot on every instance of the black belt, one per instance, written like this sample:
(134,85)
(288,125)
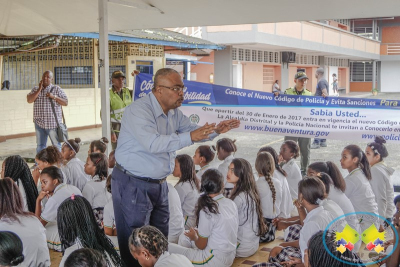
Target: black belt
(146,179)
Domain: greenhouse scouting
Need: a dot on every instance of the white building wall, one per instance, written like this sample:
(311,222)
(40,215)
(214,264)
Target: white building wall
(390,78)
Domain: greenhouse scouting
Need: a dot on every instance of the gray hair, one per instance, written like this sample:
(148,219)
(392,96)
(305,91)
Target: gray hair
(162,73)
(320,71)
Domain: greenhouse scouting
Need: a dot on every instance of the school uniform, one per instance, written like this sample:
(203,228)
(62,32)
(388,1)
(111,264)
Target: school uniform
(172,260)
(96,193)
(176,222)
(49,212)
(188,196)
(293,177)
(359,191)
(23,194)
(316,220)
(267,206)
(109,221)
(220,229)
(382,186)
(202,171)
(74,172)
(286,203)
(223,168)
(247,239)
(32,234)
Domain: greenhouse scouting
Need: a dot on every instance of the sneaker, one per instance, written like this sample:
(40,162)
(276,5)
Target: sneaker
(323,144)
(315,146)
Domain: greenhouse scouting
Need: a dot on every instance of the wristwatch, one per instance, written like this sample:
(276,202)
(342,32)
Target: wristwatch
(54,97)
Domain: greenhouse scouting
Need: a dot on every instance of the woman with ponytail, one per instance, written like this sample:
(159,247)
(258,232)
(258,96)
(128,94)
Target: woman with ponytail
(286,206)
(358,187)
(73,167)
(270,190)
(215,239)
(16,168)
(381,183)
(203,156)
(246,197)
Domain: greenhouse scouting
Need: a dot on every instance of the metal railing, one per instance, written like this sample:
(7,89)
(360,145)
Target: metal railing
(189,31)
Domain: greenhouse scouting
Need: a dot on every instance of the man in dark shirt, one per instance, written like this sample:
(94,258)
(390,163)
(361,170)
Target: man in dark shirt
(322,90)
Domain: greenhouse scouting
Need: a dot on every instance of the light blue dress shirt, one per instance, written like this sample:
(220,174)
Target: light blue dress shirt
(149,139)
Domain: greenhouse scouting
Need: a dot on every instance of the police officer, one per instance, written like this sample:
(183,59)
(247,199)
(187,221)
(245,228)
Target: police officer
(304,143)
(120,98)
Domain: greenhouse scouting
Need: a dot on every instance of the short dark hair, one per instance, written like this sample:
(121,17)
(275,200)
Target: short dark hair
(50,154)
(54,173)
(11,249)
(85,257)
(312,189)
(294,148)
(207,152)
(162,73)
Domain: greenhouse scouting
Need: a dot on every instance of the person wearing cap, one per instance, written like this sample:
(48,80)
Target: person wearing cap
(120,98)
(322,90)
(304,142)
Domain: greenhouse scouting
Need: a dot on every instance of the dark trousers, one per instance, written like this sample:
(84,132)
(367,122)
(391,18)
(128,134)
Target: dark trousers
(137,203)
(304,145)
(319,140)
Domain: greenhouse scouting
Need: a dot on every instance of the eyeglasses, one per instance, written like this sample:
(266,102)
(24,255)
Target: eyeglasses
(175,88)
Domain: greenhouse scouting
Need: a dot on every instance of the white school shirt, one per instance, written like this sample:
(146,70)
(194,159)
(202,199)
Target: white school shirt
(359,191)
(220,229)
(202,171)
(247,238)
(33,236)
(331,206)
(172,260)
(176,222)
(96,193)
(287,202)
(344,203)
(223,168)
(23,194)
(266,197)
(108,215)
(293,177)
(316,220)
(188,196)
(61,193)
(382,186)
(74,172)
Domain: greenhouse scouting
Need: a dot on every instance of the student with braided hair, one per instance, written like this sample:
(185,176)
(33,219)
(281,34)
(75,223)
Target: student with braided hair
(11,249)
(13,218)
(247,200)
(203,156)
(358,187)
(95,190)
(381,182)
(16,168)
(286,206)
(150,247)
(98,146)
(73,167)
(53,193)
(270,190)
(187,187)
(214,242)
(78,228)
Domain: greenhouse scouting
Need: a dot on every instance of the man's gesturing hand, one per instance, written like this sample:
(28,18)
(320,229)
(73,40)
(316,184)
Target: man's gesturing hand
(202,132)
(225,126)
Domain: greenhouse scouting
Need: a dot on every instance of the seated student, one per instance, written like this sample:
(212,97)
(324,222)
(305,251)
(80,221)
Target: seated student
(50,156)
(214,242)
(11,249)
(73,167)
(270,191)
(85,257)
(98,146)
(95,190)
(109,217)
(176,222)
(150,247)
(246,197)
(78,229)
(381,182)
(286,206)
(358,187)
(13,218)
(55,192)
(187,187)
(226,150)
(311,193)
(289,152)
(16,168)
(203,156)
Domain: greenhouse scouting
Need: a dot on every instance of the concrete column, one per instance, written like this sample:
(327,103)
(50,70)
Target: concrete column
(374,24)
(284,76)
(223,67)
(373,74)
(1,69)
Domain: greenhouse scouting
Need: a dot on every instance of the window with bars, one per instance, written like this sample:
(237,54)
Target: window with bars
(73,75)
(361,71)
(268,75)
(111,69)
(247,53)
(234,54)
(241,54)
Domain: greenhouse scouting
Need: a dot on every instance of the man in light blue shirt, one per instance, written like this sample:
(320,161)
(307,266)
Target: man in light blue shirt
(153,129)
